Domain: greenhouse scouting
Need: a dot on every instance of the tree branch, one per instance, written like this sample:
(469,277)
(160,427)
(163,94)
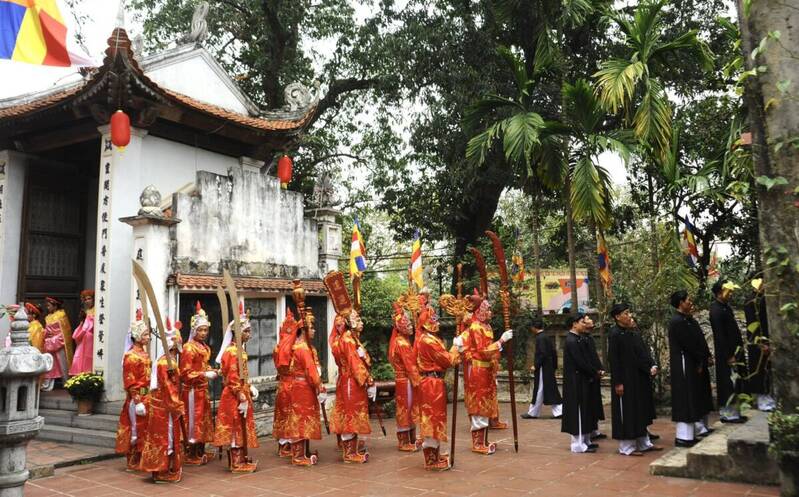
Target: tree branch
(338,88)
(237,6)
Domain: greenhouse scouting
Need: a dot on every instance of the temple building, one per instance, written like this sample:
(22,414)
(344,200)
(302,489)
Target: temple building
(193,193)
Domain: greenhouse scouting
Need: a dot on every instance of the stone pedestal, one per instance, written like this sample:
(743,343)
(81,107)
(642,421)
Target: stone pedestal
(20,367)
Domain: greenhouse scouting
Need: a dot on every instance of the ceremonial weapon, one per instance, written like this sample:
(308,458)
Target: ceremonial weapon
(223,309)
(234,299)
(143,282)
(457,307)
(504,294)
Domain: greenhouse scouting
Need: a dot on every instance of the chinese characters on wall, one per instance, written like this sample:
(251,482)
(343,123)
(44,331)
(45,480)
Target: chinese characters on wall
(103,256)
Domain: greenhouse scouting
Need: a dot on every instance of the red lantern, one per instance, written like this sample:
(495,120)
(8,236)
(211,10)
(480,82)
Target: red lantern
(284,167)
(120,129)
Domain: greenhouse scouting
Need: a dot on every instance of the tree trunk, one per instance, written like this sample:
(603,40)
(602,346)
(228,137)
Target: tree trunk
(537,256)
(570,241)
(773,128)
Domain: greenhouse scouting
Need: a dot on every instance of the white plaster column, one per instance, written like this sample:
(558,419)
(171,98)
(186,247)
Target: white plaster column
(12,189)
(119,178)
(151,249)
(329,252)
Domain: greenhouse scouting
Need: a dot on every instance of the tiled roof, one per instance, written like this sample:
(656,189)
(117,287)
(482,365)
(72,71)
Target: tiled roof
(211,282)
(252,122)
(41,103)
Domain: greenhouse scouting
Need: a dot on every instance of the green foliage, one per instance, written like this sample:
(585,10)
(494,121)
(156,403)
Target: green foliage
(85,386)
(377,295)
(784,429)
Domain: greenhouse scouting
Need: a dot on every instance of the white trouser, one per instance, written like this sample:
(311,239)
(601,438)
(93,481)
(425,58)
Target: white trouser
(729,412)
(479,422)
(134,435)
(170,442)
(430,442)
(700,427)
(190,414)
(685,431)
(766,403)
(579,442)
(639,444)
(535,408)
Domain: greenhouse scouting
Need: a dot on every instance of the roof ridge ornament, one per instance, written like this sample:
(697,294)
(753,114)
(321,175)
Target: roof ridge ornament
(198,32)
(297,96)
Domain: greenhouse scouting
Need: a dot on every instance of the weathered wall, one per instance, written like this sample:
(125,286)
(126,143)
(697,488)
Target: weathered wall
(12,183)
(246,222)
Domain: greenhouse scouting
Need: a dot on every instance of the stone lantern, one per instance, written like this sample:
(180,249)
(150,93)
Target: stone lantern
(20,368)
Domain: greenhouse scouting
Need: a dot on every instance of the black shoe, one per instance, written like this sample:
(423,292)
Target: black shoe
(652,436)
(738,420)
(708,432)
(593,446)
(678,442)
(527,416)
(590,449)
(599,437)
(557,417)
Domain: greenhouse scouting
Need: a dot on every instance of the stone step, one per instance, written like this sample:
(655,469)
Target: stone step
(100,422)
(60,400)
(77,435)
(734,452)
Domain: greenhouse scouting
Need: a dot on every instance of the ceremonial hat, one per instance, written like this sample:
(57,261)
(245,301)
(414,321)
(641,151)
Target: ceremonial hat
(32,308)
(618,309)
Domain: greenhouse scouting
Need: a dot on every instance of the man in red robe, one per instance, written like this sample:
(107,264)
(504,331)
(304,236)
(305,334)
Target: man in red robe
(353,389)
(195,373)
(402,357)
(136,370)
(281,355)
(162,454)
(480,372)
(235,415)
(305,392)
(433,360)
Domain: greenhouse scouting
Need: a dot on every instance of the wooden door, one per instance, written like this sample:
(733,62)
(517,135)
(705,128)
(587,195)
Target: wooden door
(53,238)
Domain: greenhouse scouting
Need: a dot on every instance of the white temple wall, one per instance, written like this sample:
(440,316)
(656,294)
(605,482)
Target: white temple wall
(245,220)
(12,189)
(170,165)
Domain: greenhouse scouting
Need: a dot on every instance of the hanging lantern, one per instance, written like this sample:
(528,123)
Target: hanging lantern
(284,167)
(120,129)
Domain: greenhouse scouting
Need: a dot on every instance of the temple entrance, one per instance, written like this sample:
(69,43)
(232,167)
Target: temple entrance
(55,258)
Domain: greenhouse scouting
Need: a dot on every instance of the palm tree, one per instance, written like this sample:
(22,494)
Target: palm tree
(631,86)
(563,152)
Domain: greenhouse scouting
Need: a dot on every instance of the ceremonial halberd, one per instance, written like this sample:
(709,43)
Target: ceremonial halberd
(74,210)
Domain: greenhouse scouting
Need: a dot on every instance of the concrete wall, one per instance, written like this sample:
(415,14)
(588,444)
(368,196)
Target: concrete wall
(170,166)
(12,188)
(247,221)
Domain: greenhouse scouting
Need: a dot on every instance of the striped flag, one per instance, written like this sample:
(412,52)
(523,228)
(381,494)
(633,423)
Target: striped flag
(34,31)
(416,261)
(689,244)
(603,261)
(357,251)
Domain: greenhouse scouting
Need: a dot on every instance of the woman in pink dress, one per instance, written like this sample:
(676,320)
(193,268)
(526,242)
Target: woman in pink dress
(83,336)
(57,341)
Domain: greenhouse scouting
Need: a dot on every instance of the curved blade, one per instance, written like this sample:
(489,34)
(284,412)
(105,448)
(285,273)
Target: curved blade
(499,253)
(144,284)
(223,308)
(481,268)
(234,300)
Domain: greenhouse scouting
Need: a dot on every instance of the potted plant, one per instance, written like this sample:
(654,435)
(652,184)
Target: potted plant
(85,389)
(784,446)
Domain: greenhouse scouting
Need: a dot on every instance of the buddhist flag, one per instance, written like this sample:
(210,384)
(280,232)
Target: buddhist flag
(416,261)
(712,268)
(689,244)
(603,260)
(357,251)
(34,31)
(517,261)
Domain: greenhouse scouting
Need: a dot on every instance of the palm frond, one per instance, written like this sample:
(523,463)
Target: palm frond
(480,145)
(581,106)
(549,158)
(589,192)
(521,133)
(616,82)
(546,52)
(478,111)
(575,12)
(688,43)
(652,120)
(517,67)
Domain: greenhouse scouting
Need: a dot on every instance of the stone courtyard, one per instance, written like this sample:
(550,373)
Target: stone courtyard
(544,466)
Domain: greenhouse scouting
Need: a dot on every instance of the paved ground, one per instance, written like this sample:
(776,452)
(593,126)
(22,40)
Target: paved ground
(44,456)
(544,466)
